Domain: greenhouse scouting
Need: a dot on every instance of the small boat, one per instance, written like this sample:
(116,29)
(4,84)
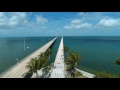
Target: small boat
(25,46)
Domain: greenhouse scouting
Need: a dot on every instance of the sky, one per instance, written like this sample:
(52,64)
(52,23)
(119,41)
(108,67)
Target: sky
(21,24)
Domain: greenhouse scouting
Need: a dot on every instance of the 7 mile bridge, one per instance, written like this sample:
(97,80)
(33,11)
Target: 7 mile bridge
(18,70)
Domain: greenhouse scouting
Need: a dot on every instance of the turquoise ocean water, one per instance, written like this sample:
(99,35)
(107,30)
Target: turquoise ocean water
(97,53)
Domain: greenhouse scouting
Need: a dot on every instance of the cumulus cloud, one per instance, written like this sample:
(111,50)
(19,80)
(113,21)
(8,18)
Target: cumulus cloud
(41,20)
(76,21)
(82,25)
(77,24)
(21,21)
(13,19)
(109,22)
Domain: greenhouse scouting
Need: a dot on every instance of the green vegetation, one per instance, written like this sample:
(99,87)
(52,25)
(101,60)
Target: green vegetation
(78,75)
(48,53)
(38,63)
(73,59)
(33,66)
(105,75)
(66,50)
(42,60)
(71,63)
(117,61)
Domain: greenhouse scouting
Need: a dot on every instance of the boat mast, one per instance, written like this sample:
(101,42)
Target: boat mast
(24,44)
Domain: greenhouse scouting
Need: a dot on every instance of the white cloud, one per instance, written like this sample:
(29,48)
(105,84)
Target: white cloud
(109,22)
(85,25)
(14,18)
(77,24)
(41,20)
(21,21)
(82,25)
(67,27)
(76,21)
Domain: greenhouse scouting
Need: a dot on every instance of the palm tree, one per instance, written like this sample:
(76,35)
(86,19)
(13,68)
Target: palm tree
(73,59)
(48,52)
(37,64)
(42,60)
(117,61)
(66,49)
(33,66)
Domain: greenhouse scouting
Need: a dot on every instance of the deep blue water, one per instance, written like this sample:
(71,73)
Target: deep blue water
(97,53)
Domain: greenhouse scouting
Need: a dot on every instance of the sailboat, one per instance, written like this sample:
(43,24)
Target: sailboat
(24,44)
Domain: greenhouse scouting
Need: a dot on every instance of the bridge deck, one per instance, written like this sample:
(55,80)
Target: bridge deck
(19,69)
(58,71)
